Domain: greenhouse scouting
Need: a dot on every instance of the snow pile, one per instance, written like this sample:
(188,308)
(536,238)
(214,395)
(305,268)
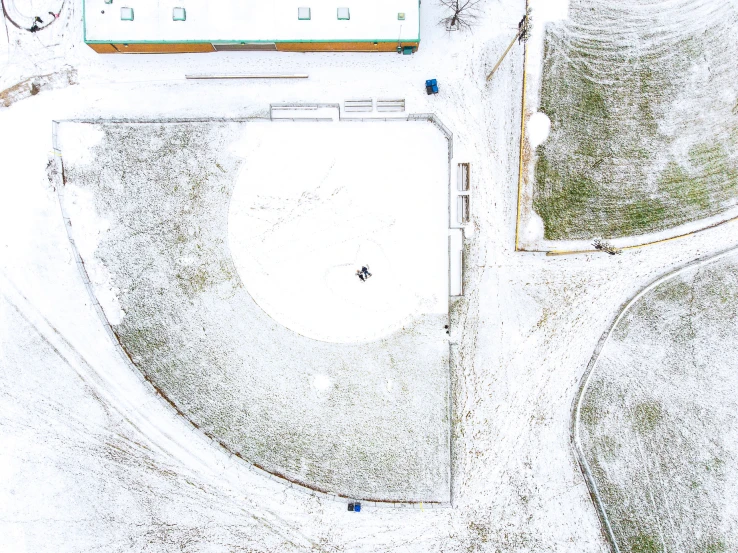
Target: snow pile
(539,126)
(543,13)
(78,141)
(89,230)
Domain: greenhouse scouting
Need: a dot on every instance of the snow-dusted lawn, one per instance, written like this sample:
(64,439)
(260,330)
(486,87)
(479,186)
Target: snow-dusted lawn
(314,202)
(658,421)
(149,210)
(642,102)
(92,460)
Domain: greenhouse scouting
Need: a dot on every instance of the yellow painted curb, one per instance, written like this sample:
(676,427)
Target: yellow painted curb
(637,246)
(570,252)
(522,139)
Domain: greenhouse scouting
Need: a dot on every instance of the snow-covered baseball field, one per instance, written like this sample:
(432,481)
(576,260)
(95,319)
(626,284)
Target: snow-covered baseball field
(93,460)
(224,256)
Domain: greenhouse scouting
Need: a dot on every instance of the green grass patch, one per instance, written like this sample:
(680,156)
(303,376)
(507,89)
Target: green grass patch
(647,416)
(645,543)
(631,149)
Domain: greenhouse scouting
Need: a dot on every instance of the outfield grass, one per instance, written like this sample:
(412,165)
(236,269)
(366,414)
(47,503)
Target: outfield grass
(658,421)
(644,124)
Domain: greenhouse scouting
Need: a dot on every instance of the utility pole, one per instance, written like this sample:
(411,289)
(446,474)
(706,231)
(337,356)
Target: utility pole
(522,35)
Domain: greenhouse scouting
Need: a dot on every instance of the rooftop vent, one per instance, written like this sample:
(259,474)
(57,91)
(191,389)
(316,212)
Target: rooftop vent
(126,14)
(343,14)
(179,14)
(303,14)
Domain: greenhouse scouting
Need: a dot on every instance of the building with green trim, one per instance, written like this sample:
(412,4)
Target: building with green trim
(178,26)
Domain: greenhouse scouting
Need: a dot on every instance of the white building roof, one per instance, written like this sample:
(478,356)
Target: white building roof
(251,21)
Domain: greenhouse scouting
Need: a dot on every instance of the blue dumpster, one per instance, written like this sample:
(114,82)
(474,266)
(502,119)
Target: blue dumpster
(431,86)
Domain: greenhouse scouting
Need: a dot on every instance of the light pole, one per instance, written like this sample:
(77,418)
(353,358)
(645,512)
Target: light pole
(522,35)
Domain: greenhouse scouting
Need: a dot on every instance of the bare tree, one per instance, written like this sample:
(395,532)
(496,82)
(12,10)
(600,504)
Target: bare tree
(463,14)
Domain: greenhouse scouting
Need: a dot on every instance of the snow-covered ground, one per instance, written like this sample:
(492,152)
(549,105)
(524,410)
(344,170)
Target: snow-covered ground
(94,461)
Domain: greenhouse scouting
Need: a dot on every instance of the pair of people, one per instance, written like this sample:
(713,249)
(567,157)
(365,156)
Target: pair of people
(363,273)
(36,20)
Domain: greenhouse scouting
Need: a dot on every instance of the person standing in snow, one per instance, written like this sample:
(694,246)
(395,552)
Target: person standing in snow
(360,274)
(365,271)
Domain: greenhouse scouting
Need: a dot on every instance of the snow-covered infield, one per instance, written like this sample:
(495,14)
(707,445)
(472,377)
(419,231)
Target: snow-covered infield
(314,202)
(223,255)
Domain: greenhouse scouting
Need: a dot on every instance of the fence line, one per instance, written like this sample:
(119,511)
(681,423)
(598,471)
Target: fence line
(251,76)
